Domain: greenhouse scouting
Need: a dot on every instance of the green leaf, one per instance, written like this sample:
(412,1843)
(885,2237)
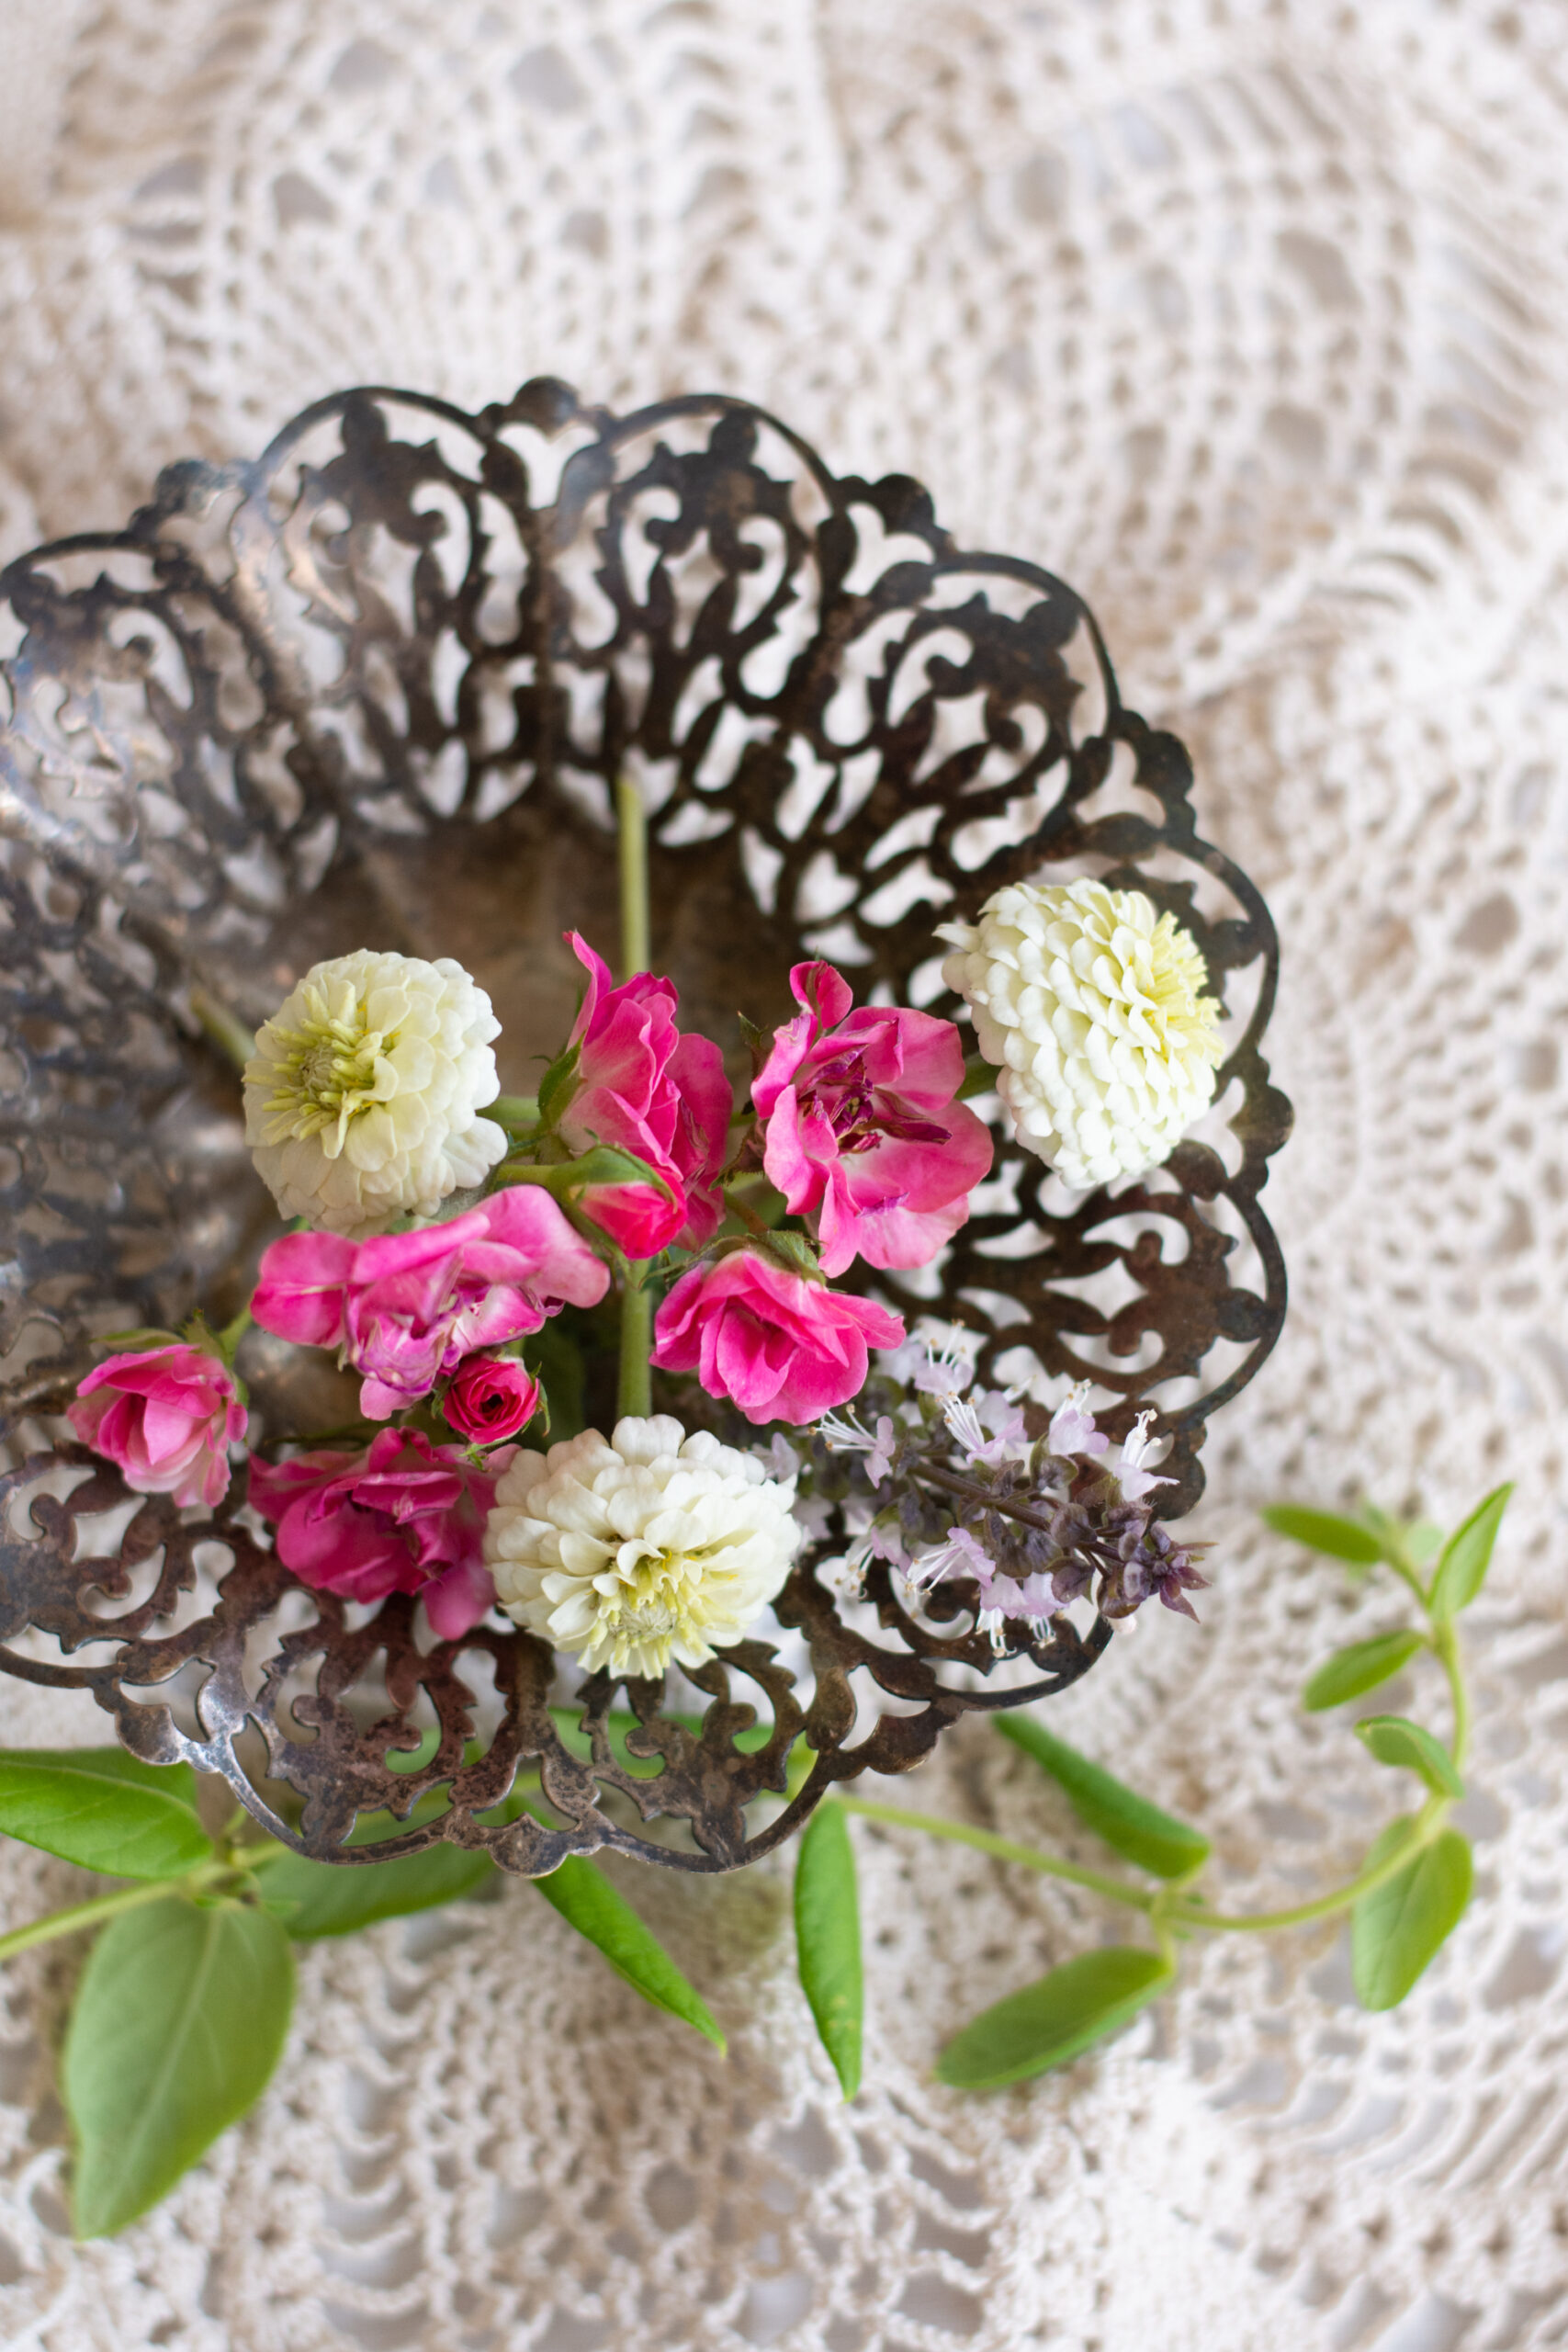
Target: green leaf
(1156,1841)
(104,1809)
(1466,1556)
(1422,1537)
(334,1899)
(587,1901)
(1362,1665)
(1396,1929)
(1394,1739)
(980,1078)
(826,1939)
(180,2018)
(1325,1531)
(555,1361)
(1051,2021)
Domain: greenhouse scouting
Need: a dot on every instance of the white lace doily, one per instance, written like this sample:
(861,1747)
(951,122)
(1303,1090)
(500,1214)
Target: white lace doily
(1249,317)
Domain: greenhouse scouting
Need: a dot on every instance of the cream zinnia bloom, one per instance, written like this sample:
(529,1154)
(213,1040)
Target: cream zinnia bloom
(363,1095)
(649,1546)
(1093,1009)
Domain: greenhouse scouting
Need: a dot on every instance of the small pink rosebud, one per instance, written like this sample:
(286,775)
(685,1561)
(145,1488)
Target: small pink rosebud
(781,1347)
(491,1398)
(166,1419)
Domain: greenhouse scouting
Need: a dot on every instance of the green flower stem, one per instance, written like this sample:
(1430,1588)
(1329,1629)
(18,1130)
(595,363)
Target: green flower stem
(516,1113)
(227,1032)
(631,819)
(233,1334)
(745,1212)
(634,1392)
(1188,1913)
(1003,1849)
(109,1906)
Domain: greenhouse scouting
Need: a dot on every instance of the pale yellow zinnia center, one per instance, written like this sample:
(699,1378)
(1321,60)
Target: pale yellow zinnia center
(651,1605)
(325,1072)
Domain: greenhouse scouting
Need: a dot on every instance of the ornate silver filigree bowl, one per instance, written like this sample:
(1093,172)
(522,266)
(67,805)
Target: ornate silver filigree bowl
(375,688)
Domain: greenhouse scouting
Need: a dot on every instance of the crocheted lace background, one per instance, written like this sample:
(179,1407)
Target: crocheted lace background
(1251,320)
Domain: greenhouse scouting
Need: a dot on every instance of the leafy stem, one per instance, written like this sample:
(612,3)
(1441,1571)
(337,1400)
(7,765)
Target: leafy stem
(77,1916)
(1003,1849)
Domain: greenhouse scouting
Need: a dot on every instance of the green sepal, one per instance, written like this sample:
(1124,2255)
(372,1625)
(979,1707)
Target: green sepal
(559,1084)
(179,2019)
(137,1342)
(104,1809)
(1466,1556)
(1360,1666)
(793,1251)
(1398,1928)
(1394,1739)
(605,1163)
(1053,2020)
(826,1939)
(1325,1531)
(1155,1840)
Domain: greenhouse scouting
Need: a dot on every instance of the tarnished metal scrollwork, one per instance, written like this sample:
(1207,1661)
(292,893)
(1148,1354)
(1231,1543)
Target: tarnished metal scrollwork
(375,686)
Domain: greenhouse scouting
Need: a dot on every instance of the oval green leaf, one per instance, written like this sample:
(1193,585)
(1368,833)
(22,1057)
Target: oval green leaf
(334,1899)
(587,1901)
(1051,2021)
(1394,1739)
(1396,1929)
(1362,1665)
(826,1939)
(1466,1556)
(1156,1841)
(1325,1531)
(104,1809)
(179,2019)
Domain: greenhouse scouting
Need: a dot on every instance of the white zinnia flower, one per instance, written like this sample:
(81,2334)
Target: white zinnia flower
(647,1546)
(1092,1007)
(363,1094)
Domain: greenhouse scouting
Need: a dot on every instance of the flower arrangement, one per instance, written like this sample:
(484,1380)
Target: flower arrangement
(435,1244)
(624,1368)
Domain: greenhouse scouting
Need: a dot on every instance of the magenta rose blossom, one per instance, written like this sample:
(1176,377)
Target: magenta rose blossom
(783,1347)
(861,1126)
(491,1398)
(166,1418)
(647,1085)
(405,1516)
(407,1307)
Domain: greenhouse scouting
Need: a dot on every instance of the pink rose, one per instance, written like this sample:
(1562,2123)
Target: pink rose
(407,1307)
(644,1085)
(784,1347)
(491,1398)
(166,1418)
(862,1126)
(406,1516)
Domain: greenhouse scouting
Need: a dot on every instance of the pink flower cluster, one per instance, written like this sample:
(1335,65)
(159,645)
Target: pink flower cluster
(403,1516)
(166,1418)
(862,1127)
(406,1308)
(854,1119)
(655,1090)
(861,1130)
